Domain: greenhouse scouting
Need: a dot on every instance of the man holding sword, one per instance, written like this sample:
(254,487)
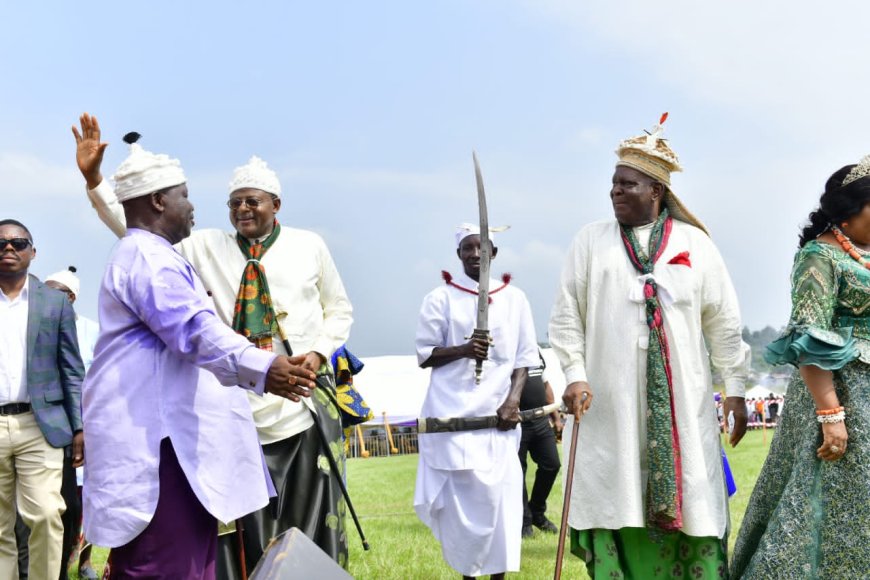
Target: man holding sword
(469,483)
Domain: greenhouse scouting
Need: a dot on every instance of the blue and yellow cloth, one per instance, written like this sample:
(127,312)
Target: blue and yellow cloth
(353,408)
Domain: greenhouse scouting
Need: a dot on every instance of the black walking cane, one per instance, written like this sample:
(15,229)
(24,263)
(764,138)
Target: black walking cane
(324,443)
(566,503)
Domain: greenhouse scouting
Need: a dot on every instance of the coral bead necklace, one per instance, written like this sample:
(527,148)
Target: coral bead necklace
(849,247)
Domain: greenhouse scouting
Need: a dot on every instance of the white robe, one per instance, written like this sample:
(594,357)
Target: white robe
(469,484)
(598,330)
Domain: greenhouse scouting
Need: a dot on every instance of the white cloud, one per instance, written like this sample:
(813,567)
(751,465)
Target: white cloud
(444,184)
(584,139)
(797,62)
(36,179)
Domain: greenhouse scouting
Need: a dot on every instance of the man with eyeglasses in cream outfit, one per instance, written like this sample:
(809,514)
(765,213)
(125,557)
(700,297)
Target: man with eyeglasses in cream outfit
(313,312)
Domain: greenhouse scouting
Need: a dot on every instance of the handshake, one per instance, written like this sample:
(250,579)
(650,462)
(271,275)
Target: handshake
(293,377)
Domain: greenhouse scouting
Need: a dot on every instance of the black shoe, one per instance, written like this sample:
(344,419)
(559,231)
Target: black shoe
(528,531)
(546,525)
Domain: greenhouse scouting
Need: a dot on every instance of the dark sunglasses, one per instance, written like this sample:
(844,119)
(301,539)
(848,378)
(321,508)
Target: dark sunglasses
(18,244)
(250,203)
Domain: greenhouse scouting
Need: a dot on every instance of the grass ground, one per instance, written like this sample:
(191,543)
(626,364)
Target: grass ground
(382,490)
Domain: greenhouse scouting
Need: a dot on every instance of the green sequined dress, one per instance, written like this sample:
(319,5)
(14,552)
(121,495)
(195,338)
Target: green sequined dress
(809,518)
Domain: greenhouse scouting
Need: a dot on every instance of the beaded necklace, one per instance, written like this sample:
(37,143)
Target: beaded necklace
(849,247)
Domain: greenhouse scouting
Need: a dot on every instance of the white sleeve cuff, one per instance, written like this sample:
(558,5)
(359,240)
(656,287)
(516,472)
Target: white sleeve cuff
(103,191)
(254,364)
(574,374)
(735,388)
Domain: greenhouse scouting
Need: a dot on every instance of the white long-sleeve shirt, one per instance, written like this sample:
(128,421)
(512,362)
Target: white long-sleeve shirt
(13,347)
(447,317)
(309,298)
(598,330)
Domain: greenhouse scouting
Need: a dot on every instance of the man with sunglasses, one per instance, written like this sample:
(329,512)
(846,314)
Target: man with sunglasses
(279,287)
(40,410)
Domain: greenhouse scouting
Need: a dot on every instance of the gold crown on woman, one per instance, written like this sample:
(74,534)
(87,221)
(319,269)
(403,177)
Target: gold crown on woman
(859,171)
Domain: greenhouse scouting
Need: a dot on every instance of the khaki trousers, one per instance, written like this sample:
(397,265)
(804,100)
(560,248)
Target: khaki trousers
(31,472)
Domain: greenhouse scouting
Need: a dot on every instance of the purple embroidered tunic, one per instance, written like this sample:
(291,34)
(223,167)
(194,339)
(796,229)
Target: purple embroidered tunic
(166,366)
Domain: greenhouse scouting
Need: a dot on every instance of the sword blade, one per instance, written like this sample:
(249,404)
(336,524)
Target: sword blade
(485,251)
(485,259)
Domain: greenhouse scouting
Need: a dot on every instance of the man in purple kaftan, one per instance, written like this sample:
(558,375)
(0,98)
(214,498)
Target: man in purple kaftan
(172,449)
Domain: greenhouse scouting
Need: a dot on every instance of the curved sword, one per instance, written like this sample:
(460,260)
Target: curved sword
(482,328)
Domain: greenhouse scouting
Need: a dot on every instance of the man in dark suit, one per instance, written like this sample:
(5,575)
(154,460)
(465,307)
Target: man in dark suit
(40,411)
(539,441)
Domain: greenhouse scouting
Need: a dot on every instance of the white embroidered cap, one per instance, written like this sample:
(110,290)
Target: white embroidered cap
(467,229)
(67,278)
(144,172)
(256,175)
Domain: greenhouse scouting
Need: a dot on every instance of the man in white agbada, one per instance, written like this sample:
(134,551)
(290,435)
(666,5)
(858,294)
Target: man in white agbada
(638,297)
(312,311)
(469,484)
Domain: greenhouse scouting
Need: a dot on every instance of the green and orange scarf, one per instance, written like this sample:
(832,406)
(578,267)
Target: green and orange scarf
(254,315)
(664,490)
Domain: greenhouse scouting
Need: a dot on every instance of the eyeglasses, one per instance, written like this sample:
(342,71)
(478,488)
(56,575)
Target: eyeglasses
(250,203)
(18,244)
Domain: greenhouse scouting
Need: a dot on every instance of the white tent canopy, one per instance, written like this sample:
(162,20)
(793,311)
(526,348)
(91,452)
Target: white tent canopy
(394,385)
(759,392)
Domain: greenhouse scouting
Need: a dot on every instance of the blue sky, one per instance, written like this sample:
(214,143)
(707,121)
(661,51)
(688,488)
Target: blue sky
(369,112)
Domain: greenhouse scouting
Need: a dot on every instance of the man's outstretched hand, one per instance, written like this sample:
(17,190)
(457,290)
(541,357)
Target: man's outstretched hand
(289,379)
(89,149)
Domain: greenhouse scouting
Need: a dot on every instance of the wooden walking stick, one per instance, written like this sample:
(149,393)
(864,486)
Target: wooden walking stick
(240,530)
(566,503)
(389,431)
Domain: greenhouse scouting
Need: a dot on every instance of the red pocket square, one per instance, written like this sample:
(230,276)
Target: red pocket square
(681,259)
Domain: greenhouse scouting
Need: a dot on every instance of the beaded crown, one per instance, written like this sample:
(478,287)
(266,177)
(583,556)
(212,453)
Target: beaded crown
(859,171)
(651,155)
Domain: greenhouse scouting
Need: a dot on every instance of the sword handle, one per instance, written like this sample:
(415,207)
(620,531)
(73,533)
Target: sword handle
(478,364)
(539,412)
(454,424)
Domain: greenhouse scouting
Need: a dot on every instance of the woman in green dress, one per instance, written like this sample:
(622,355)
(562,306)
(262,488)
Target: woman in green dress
(809,514)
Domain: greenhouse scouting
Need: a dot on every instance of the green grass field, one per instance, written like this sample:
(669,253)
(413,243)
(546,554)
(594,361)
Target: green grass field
(382,490)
